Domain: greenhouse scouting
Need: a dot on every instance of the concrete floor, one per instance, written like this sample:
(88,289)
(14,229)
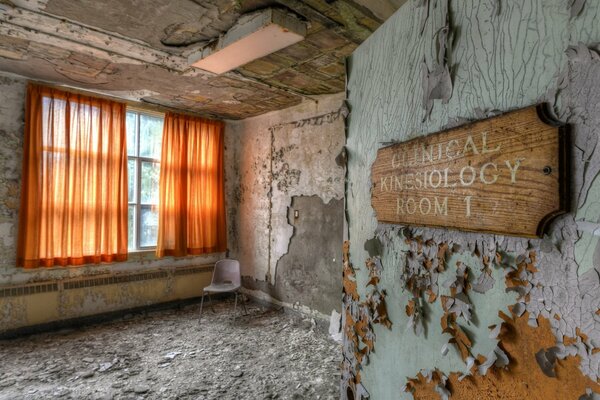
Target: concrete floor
(166,355)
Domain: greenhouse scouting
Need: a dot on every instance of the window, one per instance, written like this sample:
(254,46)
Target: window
(90,189)
(144,135)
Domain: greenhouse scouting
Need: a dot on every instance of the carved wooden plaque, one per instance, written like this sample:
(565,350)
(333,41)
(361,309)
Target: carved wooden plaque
(505,175)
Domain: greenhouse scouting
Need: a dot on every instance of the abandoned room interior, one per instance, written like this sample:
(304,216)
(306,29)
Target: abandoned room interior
(407,191)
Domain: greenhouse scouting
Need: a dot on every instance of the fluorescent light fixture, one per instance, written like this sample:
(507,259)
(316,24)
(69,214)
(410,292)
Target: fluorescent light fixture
(253,36)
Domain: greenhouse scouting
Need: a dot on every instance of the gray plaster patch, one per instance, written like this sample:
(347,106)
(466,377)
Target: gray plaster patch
(277,164)
(309,272)
(303,164)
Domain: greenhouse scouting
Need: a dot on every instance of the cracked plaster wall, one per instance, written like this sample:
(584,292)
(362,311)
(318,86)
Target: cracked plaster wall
(274,162)
(500,59)
(19,311)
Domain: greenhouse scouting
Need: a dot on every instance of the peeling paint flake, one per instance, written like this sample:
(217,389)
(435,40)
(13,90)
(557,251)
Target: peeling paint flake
(437,82)
(484,282)
(576,6)
(546,360)
(589,395)
(459,337)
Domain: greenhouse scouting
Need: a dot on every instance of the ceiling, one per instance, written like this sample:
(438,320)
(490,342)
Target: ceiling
(138,49)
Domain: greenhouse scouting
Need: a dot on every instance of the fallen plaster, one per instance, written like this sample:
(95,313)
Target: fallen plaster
(302,309)
(167,355)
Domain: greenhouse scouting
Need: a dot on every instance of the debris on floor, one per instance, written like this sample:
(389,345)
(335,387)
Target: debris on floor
(266,354)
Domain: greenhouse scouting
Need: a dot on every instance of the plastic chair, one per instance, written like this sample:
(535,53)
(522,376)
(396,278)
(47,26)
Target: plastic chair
(226,278)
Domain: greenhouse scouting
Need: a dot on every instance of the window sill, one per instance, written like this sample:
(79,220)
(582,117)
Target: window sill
(136,255)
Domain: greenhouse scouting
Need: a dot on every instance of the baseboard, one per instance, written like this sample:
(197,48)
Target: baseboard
(321,320)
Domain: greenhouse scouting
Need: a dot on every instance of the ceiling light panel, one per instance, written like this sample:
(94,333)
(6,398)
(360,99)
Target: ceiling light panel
(253,36)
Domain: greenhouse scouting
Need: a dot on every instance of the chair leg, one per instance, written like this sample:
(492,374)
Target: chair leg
(235,306)
(244,305)
(201,304)
(212,307)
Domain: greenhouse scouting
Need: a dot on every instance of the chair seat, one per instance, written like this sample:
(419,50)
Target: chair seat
(221,287)
(225,278)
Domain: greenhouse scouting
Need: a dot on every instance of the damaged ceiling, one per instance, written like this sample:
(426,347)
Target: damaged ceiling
(139,50)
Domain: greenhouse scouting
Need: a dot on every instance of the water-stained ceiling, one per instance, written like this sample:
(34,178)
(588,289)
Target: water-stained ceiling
(138,49)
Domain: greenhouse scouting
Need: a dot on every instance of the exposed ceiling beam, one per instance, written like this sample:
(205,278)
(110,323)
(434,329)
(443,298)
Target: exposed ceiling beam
(310,13)
(44,28)
(237,76)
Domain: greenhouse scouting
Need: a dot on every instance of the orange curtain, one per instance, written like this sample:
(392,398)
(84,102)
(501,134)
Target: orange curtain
(74,188)
(192,202)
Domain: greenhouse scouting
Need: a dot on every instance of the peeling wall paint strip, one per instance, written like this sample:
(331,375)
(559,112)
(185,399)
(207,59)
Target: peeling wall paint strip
(317,120)
(589,227)
(576,6)
(269,276)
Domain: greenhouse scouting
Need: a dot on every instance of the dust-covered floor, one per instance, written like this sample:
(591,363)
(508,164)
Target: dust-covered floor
(267,354)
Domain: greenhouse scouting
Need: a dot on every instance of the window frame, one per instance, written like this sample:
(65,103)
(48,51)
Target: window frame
(139,160)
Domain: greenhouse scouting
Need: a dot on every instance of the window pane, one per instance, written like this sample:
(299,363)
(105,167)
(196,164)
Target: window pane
(150,174)
(131,133)
(148,226)
(132,179)
(151,129)
(130,227)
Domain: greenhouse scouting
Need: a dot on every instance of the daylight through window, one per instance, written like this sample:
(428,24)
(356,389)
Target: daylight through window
(144,135)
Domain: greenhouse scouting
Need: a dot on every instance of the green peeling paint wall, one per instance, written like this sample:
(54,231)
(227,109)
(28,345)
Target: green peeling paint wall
(498,62)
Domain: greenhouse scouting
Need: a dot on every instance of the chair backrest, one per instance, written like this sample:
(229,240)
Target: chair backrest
(227,270)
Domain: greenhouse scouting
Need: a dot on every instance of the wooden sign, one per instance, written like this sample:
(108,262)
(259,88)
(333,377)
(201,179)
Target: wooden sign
(504,175)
